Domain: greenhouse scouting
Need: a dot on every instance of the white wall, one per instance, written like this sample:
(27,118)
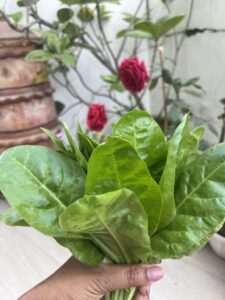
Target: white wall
(202,55)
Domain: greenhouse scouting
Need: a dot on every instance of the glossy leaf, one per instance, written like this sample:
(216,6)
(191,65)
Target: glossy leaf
(182,150)
(39,183)
(83,250)
(115,221)
(144,134)
(200,200)
(116,165)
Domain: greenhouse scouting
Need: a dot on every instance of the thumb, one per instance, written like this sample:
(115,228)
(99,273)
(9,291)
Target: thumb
(116,277)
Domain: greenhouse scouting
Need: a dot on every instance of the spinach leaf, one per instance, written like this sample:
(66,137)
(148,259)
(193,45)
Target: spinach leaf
(183,148)
(116,165)
(83,250)
(200,201)
(86,144)
(144,134)
(75,149)
(39,183)
(115,221)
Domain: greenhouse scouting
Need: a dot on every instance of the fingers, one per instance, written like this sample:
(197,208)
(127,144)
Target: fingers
(116,277)
(143,293)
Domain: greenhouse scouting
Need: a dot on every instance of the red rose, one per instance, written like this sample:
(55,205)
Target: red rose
(97,117)
(133,74)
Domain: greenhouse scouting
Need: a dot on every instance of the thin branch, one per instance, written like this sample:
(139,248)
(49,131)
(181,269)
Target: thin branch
(180,44)
(104,35)
(129,28)
(109,96)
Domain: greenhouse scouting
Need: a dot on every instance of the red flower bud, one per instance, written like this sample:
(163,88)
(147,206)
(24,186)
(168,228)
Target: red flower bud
(133,74)
(97,117)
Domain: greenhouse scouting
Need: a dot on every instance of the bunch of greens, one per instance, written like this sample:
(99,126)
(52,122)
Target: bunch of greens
(134,198)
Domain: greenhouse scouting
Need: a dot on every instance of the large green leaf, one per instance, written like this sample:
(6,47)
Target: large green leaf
(182,150)
(200,200)
(115,221)
(116,165)
(83,250)
(39,184)
(144,134)
(157,30)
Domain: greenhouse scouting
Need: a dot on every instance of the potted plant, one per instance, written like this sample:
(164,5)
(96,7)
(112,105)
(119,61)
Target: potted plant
(26,101)
(81,26)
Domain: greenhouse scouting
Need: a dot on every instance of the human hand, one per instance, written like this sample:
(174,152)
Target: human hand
(75,281)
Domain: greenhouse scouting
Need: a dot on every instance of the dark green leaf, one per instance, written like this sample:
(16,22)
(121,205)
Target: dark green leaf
(72,30)
(64,14)
(23,3)
(200,200)
(153,83)
(39,183)
(105,219)
(182,150)
(167,76)
(144,134)
(59,106)
(116,165)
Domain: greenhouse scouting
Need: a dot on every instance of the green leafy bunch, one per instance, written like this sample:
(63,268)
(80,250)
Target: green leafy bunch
(134,198)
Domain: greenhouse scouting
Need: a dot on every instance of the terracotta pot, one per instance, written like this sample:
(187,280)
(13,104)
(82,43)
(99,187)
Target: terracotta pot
(25,104)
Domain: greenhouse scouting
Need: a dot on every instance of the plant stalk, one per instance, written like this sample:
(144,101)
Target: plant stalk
(161,55)
(121,294)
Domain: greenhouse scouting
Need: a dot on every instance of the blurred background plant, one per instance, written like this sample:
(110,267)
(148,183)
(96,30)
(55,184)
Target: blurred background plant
(135,56)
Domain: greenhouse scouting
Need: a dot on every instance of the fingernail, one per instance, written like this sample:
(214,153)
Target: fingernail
(154,273)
